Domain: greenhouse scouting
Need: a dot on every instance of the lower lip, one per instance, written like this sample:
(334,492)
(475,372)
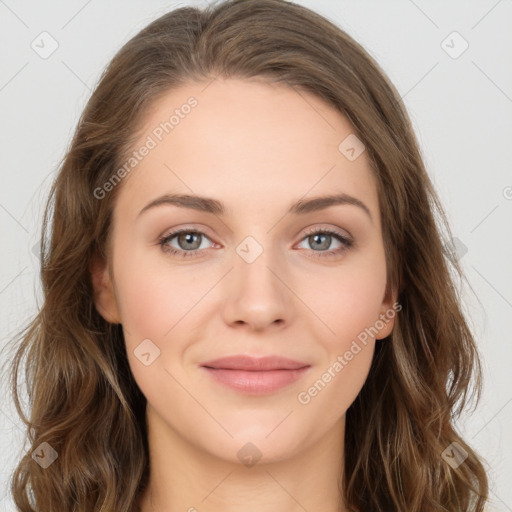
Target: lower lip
(256,382)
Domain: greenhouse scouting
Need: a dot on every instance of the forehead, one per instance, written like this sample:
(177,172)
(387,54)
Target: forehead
(249,142)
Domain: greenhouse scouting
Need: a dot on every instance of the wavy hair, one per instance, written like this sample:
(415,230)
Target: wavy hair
(82,398)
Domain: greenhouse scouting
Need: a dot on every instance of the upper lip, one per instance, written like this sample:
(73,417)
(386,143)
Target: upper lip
(250,363)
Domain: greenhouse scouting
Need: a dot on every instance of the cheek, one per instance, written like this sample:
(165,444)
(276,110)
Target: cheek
(333,389)
(154,298)
(350,308)
(162,305)
(347,301)
(154,308)
(146,306)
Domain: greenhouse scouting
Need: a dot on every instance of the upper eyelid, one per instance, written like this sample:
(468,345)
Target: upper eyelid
(309,231)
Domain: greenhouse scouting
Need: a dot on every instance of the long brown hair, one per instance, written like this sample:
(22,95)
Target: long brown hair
(83,399)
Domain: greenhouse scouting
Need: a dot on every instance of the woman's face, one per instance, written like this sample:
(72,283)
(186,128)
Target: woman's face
(248,276)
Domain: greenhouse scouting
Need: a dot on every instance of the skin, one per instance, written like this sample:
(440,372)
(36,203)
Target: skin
(258,148)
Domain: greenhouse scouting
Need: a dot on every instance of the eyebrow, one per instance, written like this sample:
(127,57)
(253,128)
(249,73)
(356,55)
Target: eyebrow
(209,205)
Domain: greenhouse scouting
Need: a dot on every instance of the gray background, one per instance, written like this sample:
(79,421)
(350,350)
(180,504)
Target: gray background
(461,107)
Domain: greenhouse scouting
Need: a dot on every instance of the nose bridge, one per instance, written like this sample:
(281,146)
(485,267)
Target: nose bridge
(256,295)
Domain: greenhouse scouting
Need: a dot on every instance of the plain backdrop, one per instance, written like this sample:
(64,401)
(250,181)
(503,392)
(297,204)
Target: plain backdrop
(451,63)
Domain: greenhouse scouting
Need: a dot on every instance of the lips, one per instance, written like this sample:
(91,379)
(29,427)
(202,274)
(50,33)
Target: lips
(255,375)
(258,364)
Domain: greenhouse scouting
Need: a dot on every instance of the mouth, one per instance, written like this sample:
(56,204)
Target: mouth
(255,375)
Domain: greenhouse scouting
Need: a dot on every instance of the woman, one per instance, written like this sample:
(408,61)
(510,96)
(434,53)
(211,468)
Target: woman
(308,349)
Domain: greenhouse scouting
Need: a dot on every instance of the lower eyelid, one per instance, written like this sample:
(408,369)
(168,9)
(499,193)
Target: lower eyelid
(345,242)
(164,241)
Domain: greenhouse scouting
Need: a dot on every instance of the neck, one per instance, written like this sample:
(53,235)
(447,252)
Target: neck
(183,477)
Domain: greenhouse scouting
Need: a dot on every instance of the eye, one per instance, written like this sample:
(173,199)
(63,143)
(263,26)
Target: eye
(189,242)
(321,239)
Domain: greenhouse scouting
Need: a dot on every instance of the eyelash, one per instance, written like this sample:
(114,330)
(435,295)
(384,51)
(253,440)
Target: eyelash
(347,243)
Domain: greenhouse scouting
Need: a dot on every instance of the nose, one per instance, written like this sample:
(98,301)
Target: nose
(257,296)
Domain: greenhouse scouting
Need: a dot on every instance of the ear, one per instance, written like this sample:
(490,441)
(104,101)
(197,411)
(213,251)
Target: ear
(388,312)
(104,297)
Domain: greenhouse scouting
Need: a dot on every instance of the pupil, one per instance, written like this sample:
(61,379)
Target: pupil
(318,238)
(189,239)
